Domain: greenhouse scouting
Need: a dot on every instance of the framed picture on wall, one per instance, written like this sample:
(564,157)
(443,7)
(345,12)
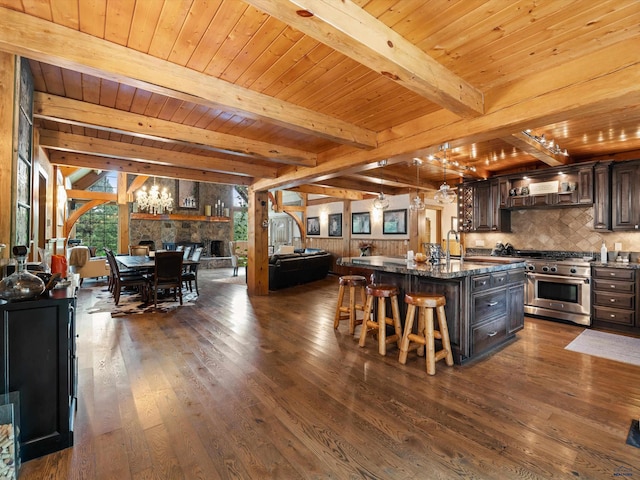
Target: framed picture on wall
(361,223)
(313,225)
(187,193)
(335,225)
(394,222)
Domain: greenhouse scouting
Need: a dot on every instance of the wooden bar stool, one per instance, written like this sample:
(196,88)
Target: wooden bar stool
(344,312)
(379,324)
(426,334)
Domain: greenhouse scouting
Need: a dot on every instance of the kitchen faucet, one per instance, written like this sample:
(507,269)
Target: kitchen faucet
(448,249)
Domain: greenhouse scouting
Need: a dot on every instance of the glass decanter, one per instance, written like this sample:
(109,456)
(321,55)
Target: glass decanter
(21,284)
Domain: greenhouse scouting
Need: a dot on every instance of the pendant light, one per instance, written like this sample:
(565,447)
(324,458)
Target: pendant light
(445,194)
(382,202)
(417,205)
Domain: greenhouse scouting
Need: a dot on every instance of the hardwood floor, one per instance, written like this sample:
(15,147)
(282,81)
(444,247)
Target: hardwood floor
(238,387)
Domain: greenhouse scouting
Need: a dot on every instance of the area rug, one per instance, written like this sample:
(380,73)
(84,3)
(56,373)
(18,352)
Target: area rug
(607,345)
(130,303)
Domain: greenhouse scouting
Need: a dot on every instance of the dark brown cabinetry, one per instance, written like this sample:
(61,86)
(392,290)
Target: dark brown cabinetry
(39,362)
(615,298)
(487,214)
(573,187)
(602,196)
(625,196)
(497,309)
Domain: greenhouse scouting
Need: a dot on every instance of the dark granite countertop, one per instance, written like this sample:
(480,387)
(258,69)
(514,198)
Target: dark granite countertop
(621,265)
(455,269)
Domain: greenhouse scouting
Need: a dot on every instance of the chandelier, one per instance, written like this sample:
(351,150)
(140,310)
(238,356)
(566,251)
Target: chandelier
(382,202)
(154,201)
(445,194)
(417,204)
(549,145)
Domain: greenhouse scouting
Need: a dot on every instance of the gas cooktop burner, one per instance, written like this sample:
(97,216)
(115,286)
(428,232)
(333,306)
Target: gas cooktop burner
(550,256)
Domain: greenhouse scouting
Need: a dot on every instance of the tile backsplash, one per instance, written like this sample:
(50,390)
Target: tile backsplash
(569,229)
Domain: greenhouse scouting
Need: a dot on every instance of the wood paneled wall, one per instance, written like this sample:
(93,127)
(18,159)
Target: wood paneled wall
(389,248)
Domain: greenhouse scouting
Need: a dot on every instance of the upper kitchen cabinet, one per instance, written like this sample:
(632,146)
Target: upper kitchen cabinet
(554,187)
(487,214)
(625,196)
(602,196)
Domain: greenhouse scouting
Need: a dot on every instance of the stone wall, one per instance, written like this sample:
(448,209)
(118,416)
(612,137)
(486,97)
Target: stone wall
(173,231)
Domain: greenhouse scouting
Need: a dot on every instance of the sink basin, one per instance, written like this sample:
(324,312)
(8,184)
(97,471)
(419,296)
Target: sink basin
(490,259)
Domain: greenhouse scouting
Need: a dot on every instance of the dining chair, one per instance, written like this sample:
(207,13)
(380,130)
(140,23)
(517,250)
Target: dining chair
(139,250)
(121,280)
(186,253)
(190,273)
(166,275)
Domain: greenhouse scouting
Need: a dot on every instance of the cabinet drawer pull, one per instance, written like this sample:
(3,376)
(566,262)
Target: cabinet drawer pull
(612,315)
(613,274)
(612,300)
(492,334)
(613,286)
(492,304)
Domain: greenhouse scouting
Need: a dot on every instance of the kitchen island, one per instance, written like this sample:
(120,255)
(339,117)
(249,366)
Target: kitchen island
(485,300)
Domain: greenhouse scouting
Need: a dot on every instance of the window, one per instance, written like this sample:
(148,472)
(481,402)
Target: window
(99,226)
(240,214)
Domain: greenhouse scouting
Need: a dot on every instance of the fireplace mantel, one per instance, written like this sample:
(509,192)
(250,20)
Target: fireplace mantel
(178,217)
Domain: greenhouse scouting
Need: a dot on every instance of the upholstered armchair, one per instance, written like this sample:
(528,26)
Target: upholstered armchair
(80,261)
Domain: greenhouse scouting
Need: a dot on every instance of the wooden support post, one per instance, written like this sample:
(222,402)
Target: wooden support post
(258,259)
(7,101)
(123,214)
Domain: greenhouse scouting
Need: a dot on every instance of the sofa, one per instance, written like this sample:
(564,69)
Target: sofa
(286,270)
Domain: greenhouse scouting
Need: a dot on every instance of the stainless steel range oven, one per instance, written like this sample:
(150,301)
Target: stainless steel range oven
(559,289)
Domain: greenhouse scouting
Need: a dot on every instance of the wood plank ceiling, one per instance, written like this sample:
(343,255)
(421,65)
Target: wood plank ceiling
(296,93)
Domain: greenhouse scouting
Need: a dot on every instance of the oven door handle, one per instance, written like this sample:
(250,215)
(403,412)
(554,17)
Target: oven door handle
(573,280)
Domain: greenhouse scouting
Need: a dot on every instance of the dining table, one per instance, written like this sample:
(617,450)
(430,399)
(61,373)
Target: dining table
(144,262)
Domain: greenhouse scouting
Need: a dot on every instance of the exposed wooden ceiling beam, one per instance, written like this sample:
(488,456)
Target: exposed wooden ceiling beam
(524,105)
(96,146)
(533,148)
(89,195)
(24,35)
(89,179)
(66,110)
(352,31)
(368,186)
(332,192)
(144,168)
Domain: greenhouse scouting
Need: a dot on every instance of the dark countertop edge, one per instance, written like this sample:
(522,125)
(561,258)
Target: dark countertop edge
(620,265)
(427,270)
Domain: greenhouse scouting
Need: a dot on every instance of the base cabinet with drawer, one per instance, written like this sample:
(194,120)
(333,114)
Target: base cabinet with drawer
(39,362)
(496,309)
(614,303)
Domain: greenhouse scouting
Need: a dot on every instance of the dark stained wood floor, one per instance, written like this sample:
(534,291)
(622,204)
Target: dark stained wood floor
(238,387)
